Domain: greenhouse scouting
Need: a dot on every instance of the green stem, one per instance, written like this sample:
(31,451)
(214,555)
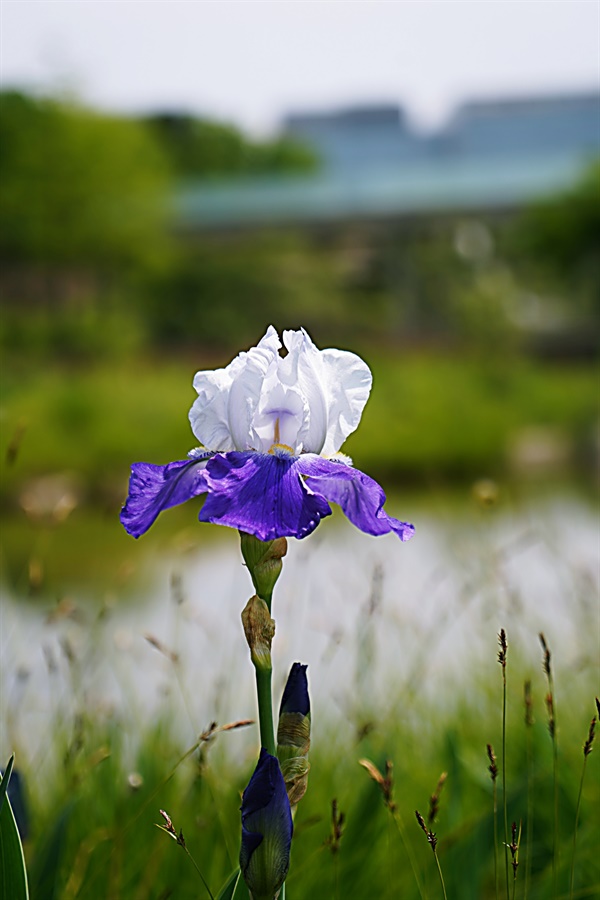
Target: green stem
(268,598)
(265,709)
(265,696)
(555,846)
(408,850)
(336,877)
(196,866)
(496,838)
(504,781)
(575,829)
(529,814)
(439,868)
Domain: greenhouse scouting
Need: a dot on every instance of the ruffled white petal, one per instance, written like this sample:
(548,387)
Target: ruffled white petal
(309,399)
(349,382)
(336,385)
(209,415)
(222,416)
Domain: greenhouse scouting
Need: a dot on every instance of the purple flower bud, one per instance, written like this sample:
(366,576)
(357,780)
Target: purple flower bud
(295,695)
(266,830)
(293,734)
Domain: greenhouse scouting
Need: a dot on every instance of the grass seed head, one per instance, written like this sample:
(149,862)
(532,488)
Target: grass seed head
(338,820)
(386,783)
(547,656)
(434,800)
(550,709)
(503,648)
(528,704)
(430,835)
(493,766)
(587,747)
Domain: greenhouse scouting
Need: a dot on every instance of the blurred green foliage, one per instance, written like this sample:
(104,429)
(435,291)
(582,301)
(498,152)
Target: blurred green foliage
(94,267)
(80,190)
(558,241)
(201,148)
(108,309)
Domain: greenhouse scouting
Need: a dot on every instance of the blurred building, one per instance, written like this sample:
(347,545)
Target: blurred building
(511,128)
(537,126)
(358,137)
(491,157)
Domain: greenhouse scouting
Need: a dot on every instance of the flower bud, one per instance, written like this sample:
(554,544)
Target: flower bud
(293,734)
(266,830)
(263,559)
(259,629)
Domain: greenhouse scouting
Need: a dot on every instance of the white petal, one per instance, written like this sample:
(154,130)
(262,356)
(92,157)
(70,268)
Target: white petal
(248,372)
(302,367)
(281,415)
(336,385)
(221,417)
(349,381)
(209,413)
(310,399)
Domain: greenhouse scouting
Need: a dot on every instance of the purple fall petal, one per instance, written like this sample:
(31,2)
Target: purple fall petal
(154,488)
(261,494)
(359,496)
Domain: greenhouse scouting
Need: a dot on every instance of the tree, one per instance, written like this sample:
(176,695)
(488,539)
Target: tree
(79,188)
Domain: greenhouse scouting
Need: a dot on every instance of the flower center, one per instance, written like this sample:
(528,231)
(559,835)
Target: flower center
(277,448)
(281,450)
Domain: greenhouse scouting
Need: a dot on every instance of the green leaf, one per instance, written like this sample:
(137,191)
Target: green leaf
(234,888)
(5,780)
(13,875)
(45,871)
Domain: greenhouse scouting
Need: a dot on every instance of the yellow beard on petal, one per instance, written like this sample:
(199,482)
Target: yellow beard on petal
(287,450)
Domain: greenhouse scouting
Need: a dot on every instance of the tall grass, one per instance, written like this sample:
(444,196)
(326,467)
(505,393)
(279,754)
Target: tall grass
(93,819)
(99,767)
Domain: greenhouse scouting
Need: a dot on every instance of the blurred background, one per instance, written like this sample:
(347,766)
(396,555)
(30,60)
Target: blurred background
(170,189)
(418,182)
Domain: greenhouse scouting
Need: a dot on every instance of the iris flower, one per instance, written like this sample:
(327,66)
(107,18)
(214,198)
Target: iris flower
(266,830)
(270,429)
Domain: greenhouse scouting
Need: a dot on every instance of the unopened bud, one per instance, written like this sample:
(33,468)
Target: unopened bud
(259,629)
(293,734)
(266,830)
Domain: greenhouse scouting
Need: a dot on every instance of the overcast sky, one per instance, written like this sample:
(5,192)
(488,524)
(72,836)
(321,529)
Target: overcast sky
(250,61)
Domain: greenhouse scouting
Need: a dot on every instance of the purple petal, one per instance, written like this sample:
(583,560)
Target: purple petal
(154,488)
(360,497)
(295,697)
(261,494)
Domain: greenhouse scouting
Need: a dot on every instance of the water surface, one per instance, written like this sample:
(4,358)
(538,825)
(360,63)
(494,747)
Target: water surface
(383,626)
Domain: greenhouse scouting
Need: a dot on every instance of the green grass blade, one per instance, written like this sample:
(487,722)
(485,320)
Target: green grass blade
(5,780)
(13,874)
(228,889)
(45,871)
